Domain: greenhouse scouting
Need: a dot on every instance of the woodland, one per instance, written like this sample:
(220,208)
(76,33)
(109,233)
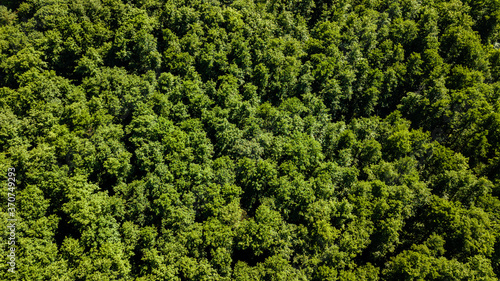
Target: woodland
(251,139)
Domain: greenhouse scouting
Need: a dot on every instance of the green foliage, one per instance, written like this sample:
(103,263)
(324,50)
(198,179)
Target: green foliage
(252,140)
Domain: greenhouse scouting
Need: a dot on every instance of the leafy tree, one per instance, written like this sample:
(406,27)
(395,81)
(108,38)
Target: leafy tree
(251,140)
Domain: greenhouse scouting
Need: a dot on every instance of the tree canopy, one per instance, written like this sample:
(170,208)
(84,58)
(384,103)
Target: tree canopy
(252,139)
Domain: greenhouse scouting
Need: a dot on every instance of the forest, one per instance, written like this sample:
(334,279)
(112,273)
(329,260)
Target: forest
(250,140)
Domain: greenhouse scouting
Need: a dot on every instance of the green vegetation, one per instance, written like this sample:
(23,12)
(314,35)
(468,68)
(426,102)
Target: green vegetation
(252,140)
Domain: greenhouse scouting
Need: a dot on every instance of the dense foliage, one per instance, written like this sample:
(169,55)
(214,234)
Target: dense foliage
(252,140)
